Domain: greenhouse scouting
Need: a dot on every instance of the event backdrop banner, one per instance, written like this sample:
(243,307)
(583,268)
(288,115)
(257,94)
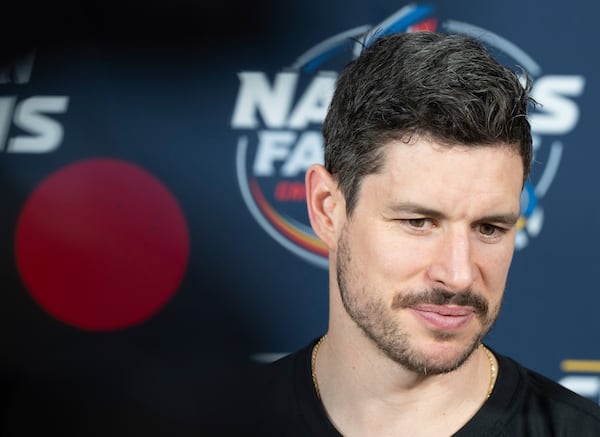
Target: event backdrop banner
(155,232)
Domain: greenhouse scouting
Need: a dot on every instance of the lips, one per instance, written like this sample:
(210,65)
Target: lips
(444,317)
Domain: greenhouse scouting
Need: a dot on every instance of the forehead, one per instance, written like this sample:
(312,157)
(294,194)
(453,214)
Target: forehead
(453,175)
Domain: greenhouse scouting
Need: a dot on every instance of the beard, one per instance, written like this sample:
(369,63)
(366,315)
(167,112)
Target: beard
(378,321)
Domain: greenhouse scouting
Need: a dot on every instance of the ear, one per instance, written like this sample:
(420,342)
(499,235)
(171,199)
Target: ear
(325,202)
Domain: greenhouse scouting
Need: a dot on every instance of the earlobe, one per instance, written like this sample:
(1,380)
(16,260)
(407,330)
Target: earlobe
(323,201)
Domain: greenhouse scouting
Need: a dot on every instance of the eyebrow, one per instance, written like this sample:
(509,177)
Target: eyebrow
(509,219)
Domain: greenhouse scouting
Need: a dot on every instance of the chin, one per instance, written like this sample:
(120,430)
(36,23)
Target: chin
(446,356)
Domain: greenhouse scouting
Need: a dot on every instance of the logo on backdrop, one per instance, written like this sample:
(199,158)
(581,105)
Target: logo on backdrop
(583,377)
(29,120)
(100,244)
(279,118)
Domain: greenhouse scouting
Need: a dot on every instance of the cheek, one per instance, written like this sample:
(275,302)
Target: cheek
(383,252)
(494,265)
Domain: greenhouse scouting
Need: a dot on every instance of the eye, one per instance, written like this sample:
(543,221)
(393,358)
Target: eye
(418,223)
(488,230)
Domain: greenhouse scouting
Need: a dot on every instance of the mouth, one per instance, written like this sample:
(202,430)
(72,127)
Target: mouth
(443,317)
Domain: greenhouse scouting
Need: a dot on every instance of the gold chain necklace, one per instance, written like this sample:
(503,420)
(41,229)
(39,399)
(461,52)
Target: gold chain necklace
(493,370)
(488,354)
(313,360)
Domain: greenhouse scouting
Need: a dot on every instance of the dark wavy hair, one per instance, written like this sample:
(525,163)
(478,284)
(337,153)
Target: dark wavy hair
(444,87)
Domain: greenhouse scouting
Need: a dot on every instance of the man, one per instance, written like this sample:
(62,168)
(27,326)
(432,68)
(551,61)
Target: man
(427,148)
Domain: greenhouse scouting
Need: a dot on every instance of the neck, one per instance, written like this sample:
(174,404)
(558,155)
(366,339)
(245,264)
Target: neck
(363,389)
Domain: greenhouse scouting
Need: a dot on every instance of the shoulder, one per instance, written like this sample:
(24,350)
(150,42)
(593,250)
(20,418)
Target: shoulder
(561,398)
(276,394)
(546,404)
(280,372)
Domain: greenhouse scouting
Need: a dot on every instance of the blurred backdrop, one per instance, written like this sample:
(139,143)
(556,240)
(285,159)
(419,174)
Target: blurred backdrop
(155,242)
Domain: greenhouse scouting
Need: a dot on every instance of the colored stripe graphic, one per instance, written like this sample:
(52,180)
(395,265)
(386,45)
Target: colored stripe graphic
(306,240)
(587,366)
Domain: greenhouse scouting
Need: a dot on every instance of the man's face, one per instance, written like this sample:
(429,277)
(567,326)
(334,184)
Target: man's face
(422,262)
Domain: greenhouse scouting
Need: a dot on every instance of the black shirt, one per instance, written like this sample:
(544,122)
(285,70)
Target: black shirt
(523,403)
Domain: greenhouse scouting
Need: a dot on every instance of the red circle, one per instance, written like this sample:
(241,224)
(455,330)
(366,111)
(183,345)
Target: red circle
(101,244)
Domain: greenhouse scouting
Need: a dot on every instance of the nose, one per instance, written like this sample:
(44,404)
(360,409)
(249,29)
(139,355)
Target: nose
(452,266)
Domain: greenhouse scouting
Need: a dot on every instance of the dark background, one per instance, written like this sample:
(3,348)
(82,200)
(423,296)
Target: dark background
(155,83)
